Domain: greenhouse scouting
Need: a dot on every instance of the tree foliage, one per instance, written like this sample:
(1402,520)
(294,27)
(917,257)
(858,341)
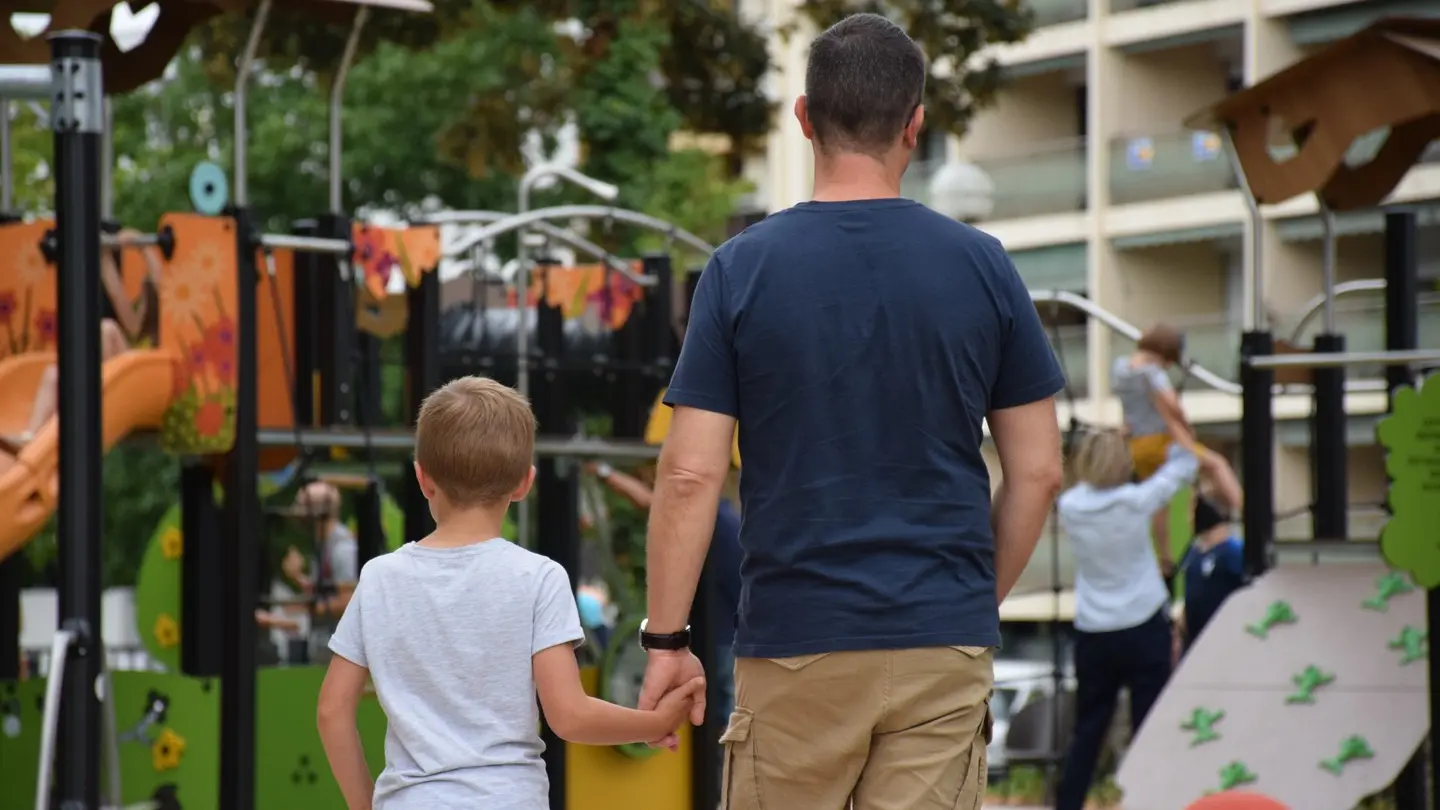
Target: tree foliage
(952,33)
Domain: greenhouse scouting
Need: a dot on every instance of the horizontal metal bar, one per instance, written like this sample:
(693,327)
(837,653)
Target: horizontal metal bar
(1342,359)
(306,244)
(405,440)
(25,81)
(137,240)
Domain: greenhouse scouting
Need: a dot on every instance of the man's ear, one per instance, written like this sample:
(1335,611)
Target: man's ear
(911,135)
(802,114)
(522,491)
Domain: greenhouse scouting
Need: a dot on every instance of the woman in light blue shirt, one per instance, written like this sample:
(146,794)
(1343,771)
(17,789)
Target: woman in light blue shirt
(1123,632)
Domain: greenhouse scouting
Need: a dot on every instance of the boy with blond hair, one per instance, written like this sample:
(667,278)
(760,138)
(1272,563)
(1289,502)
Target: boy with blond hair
(460,630)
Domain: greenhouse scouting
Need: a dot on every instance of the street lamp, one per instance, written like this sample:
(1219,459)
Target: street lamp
(962,191)
(600,188)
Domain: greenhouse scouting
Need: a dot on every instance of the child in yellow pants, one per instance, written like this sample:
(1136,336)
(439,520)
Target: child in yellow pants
(1154,420)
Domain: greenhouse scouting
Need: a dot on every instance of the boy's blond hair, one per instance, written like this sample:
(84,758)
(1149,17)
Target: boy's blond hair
(475,439)
(1102,460)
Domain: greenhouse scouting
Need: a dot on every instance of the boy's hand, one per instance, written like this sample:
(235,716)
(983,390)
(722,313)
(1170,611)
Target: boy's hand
(675,706)
(666,671)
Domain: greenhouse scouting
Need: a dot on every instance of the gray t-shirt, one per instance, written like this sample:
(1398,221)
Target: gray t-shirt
(1133,386)
(448,635)
(339,564)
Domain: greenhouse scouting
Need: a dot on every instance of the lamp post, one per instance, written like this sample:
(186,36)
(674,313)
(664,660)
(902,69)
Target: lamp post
(600,188)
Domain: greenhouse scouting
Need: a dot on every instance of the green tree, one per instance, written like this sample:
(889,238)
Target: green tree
(952,33)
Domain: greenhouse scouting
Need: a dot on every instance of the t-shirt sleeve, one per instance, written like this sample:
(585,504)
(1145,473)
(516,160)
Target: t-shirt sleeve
(1157,379)
(344,559)
(705,374)
(1028,370)
(557,619)
(348,641)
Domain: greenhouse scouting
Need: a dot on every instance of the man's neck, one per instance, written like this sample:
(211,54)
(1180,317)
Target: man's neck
(848,176)
(324,528)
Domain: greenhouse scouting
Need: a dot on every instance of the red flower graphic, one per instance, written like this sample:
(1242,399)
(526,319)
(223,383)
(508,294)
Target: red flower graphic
(199,358)
(210,419)
(7,306)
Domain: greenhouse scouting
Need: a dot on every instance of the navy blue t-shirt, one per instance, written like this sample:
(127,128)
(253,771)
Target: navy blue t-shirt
(1211,576)
(860,345)
(725,556)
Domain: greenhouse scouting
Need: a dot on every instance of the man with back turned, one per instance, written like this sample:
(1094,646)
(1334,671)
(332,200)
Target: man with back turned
(860,340)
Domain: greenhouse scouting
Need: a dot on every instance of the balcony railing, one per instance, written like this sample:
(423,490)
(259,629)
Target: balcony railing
(1210,340)
(1054,12)
(1173,164)
(1049,179)
(1072,351)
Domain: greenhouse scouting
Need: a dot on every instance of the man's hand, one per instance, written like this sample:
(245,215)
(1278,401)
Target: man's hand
(667,671)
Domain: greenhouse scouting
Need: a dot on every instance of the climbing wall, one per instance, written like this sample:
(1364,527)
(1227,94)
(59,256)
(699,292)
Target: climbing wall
(1309,686)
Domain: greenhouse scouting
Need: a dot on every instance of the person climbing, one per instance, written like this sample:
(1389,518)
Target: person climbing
(1155,421)
(1123,635)
(1213,568)
(330,582)
(136,324)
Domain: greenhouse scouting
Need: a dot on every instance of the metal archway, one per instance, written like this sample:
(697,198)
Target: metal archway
(515,222)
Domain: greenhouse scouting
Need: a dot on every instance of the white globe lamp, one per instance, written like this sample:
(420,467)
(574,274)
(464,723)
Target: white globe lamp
(962,191)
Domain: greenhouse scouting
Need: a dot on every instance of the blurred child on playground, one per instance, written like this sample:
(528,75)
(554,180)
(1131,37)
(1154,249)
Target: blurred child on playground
(1155,421)
(1123,636)
(1213,568)
(460,630)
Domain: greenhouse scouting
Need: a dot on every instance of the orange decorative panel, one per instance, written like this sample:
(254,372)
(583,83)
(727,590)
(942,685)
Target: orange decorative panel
(27,290)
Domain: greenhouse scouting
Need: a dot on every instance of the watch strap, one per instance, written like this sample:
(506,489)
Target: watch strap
(664,641)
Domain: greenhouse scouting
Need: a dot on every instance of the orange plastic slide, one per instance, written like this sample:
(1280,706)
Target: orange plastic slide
(137,387)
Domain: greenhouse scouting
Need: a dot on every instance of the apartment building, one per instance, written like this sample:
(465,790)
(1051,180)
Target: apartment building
(1100,190)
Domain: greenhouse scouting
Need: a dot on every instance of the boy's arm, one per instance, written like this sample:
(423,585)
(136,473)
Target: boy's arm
(578,718)
(339,734)
(1167,404)
(1155,492)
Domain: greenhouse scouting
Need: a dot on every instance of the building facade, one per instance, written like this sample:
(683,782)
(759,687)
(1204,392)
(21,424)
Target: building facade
(1101,190)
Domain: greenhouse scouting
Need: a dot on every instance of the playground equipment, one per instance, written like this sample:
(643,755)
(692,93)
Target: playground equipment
(243,386)
(1308,686)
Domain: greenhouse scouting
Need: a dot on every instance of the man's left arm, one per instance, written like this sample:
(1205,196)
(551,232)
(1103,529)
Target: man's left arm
(696,456)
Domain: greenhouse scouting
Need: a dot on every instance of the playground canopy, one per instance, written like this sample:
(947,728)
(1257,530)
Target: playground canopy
(127,70)
(1292,131)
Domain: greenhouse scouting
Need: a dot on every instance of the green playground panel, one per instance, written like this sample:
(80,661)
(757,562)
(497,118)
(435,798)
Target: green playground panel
(290,767)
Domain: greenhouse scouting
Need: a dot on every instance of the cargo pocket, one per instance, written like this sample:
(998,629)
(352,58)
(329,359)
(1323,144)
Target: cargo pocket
(977,767)
(798,662)
(737,778)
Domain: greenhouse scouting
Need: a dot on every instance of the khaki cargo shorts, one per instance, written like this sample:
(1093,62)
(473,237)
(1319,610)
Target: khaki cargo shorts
(886,729)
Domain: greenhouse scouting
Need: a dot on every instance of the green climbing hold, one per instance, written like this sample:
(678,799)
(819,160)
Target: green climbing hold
(1387,587)
(1202,724)
(1411,438)
(1306,682)
(1414,642)
(1279,612)
(1235,775)
(1351,748)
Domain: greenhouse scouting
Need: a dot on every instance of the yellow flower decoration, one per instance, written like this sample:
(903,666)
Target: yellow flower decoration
(172,543)
(166,751)
(167,632)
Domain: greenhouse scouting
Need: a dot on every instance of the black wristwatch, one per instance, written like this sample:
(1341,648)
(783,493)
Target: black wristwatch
(664,641)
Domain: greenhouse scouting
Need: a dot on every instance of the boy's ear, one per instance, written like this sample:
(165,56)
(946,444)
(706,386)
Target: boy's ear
(427,487)
(523,490)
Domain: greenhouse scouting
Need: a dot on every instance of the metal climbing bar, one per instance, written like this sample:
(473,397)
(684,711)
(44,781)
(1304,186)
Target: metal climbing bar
(25,81)
(306,244)
(405,440)
(1343,359)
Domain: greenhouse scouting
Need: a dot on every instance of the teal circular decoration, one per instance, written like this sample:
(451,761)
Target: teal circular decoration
(209,189)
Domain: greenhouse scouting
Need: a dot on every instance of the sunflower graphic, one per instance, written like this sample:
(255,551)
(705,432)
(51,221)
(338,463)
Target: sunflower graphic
(167,750)
(172,543)
(180,298)
(167,631)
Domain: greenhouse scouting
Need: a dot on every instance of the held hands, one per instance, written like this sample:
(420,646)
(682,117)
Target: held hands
(674,682)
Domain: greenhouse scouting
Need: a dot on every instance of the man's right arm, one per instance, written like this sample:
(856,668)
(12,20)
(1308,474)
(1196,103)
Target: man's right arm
(1025,429)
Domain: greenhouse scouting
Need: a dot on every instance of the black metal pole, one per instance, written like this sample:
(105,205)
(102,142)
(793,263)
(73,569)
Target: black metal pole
(1329,464)
(1402,331)
(422,366)
(242,546)
(78,117)
(1257,451)
(202,574)
(10,616)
